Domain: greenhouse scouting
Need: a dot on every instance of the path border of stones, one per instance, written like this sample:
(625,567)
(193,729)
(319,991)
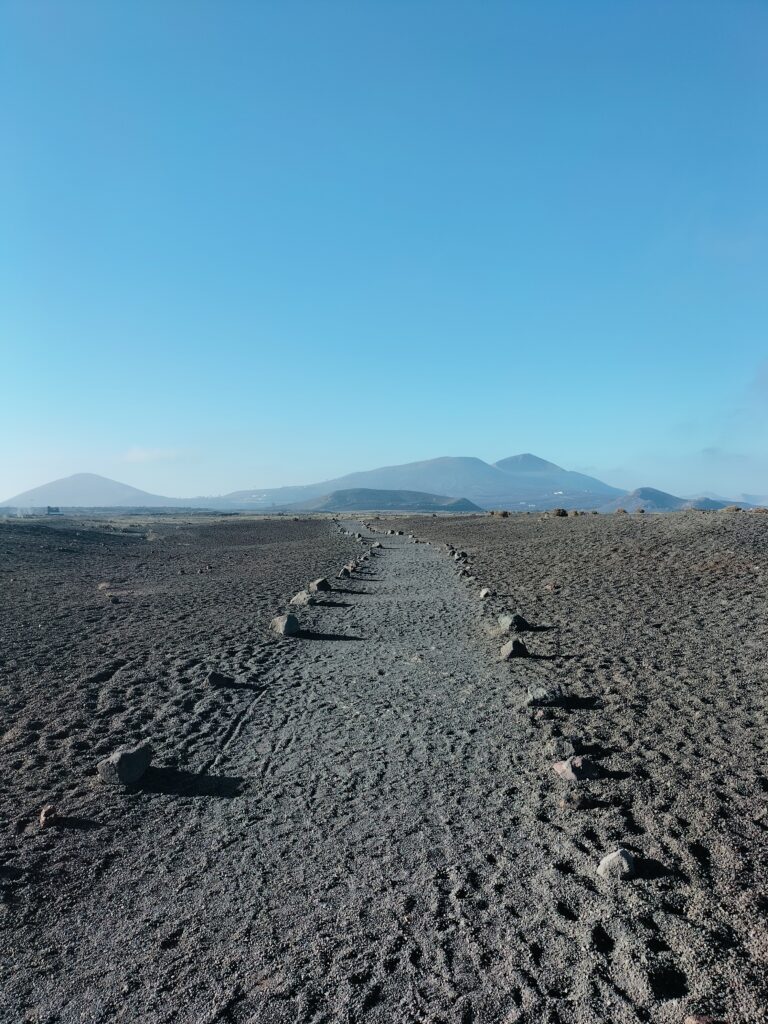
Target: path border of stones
(573,767)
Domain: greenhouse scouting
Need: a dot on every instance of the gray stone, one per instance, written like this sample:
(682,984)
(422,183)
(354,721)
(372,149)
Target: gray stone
(343,573)
(619,864)
(511,622)
(302,598)
(321,584)
(126,766)
(539,694)
(218,679)
(514,649)
(378,544)
(285,625)
(563,747)
(485,593)
(48,816)
(574,768)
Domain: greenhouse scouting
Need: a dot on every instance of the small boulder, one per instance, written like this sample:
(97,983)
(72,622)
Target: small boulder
(538,694)
(48,816)
(573,800)
(619,864)
(514,623)
(343,573)
(563,747)
(285,625)
(302,598)
(514,649)
(378,544)
(485,593)
(218,679)
(126,766)
(574,768)
(321,584)
(559,512)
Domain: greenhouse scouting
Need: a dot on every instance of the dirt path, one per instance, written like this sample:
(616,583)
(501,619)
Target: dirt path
(378,803)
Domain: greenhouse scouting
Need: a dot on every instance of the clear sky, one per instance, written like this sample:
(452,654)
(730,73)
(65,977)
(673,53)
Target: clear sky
(260,243)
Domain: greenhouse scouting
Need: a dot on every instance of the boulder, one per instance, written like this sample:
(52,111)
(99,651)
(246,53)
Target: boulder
(218,679)
(619,864)
(563,747)
(377,544)
(574,768)
(48,816)
(285,625)
(539,694)
(558,512)
(343,573)
(514,649)
(321,584)
(485,593)
(514,623)
(302,598)
(126,766)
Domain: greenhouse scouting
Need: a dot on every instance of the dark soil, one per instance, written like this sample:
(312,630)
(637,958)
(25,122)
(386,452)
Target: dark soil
(362,823)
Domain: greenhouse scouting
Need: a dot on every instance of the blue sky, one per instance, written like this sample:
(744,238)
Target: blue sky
(256,243)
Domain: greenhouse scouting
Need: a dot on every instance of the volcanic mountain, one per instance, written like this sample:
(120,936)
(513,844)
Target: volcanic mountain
(520,482)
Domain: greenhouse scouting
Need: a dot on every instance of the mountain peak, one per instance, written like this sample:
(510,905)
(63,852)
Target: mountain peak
(526,463)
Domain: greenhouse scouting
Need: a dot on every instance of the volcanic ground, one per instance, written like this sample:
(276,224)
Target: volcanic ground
(362,822)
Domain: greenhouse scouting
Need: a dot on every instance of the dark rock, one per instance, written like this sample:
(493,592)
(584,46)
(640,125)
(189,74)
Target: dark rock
(126,766)
(514,649)
(48,816)
(574,768)
(514,623)
(619,864)
(563,747)
(539,694)
(218,679)
(321,584)
(285,625)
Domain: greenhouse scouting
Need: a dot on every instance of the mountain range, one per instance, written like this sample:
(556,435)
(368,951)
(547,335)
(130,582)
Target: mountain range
(521,482)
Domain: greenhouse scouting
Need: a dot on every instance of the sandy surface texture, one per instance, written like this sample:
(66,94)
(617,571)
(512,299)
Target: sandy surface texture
(362,823)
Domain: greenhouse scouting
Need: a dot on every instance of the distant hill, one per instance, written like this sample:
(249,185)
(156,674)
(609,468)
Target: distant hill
(651,500)
(88,490)
(522,481)
(365,499)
